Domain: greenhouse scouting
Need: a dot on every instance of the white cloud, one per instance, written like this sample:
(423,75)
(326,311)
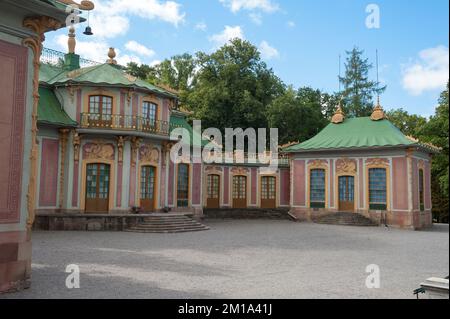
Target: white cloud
(291,24)
(250,5)
(229,33)
(124,59)
(256,18)
(139,49)
(92,50)
(201,26)
(111,17)
(268,52)
(429,72)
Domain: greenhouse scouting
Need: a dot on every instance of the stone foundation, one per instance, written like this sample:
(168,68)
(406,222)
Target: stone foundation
(15,261)
(403,220)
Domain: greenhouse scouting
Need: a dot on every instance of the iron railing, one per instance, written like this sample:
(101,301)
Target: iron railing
(252,158)
(124,123)
(56,58)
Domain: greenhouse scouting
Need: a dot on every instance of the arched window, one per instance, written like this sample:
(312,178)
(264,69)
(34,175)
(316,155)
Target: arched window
(377,189)
(317,188)
(183,185)
(422,190)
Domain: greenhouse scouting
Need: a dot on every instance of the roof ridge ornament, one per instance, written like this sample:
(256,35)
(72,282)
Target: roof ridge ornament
(378,113)
(339,115)
(71,41)
(111,55)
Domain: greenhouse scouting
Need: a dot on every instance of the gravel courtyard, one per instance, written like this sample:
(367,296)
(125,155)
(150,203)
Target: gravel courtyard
(239,259)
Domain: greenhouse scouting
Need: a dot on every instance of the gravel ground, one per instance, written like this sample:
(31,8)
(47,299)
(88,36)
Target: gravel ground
(239,259)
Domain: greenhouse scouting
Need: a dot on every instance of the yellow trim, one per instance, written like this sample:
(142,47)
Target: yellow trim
(259,191)
(388,184)
(356,189)
(156,186)
(112,182)
(205,188)
(153,100)
(100,92)
(314,166)
(189,184)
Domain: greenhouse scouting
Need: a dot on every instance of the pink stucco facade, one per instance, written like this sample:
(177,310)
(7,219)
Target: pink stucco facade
(48,184)
(298,183)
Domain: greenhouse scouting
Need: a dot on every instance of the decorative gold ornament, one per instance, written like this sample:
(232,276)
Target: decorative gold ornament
(319,164)
(71,42)
(76,146)
(339,116)
(149,154)
(239,171)
(120,145)
(378,112)
(213,170)
(135,144)
(377,162)
(98,150)
(84,5)
(111,56)
(63,137)
(346,166)
(130,78)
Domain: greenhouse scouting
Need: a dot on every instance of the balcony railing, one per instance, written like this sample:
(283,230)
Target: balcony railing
(124,123)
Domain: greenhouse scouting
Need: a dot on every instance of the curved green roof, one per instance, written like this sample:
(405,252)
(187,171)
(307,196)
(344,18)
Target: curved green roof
(50,111)
(102,74)
(355,133)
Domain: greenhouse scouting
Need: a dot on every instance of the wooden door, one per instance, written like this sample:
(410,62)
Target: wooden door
(347,193)
(240,192)
(148,193)
(97,188)
(213,200)
(268,192)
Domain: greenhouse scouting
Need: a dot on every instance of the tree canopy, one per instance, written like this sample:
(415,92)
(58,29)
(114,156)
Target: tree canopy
(359,91)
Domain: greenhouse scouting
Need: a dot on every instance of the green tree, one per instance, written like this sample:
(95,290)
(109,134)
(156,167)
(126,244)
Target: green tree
(142,71)
(233,87)
(409,124)
(436,132)
(297,114)
(358,91)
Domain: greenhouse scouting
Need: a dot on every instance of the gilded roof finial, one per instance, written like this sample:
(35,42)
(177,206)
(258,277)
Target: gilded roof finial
(339,116)
(111,55)
(378,112)
(71,42)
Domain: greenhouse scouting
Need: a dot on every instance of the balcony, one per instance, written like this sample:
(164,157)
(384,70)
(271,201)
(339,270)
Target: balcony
(124,123)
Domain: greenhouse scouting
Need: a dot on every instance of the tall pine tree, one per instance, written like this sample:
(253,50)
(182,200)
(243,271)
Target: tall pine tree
(359,91)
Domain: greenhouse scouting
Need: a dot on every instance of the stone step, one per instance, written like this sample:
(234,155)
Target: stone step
(168,224)
(345,219)
(249,213)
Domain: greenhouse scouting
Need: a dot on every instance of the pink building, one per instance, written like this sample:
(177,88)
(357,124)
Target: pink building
(363,166)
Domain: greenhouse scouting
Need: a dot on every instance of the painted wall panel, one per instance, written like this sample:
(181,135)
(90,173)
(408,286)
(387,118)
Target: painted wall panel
(13,79)
(400,182)
(49,173)
(299,183)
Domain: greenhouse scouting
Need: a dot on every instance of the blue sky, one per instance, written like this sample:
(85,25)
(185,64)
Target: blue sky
(300,39)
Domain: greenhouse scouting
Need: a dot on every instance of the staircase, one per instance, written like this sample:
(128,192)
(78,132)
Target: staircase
(345,219)
(248,213)
(167,224)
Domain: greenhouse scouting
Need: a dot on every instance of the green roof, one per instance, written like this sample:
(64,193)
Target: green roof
(102,74)
(355,133)
(50,111)
(178,120)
